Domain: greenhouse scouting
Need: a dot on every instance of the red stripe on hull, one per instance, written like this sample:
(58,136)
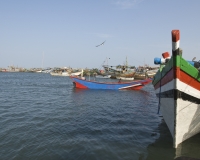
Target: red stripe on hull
(132,88)
(182,76)
(166,79)
(137,87)
(78,85)
(146,82)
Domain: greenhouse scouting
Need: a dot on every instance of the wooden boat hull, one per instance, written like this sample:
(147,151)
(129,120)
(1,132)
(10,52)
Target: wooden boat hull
(139,75)
(135,85)
(177,85)
(76,73)
(102,76)
(126,78)
(59,74)
(65,73)
(142,75)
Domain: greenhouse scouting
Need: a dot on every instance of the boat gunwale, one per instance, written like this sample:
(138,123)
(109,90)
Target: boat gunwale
(112,83)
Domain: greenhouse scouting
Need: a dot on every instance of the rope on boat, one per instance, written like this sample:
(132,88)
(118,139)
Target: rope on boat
(159,94)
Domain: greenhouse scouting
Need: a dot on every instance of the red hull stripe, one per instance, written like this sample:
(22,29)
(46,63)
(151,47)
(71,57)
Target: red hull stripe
(187,79)
(182,76)
(138,87)
(166,79)
(78,85)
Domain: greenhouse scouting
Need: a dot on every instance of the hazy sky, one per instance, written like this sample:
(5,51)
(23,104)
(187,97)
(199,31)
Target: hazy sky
(58,33)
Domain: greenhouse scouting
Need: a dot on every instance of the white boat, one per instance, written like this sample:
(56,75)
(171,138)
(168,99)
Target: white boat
(76,73)
(126,78)
(177,86)
(46,70)
(65,73)
(105,72)
(103,76)
(56,73)
(59,72)
(152,72)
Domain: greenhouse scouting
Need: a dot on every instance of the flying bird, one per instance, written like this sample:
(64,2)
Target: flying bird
(100,44)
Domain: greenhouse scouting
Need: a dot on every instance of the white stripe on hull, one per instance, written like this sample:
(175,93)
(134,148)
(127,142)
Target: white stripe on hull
(182,117)
(167,110)
(166,87)
(131,86)
(187,120)
(181,86)
(186,116)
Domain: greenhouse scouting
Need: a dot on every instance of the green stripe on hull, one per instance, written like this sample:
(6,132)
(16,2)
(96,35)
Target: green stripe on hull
(189,69)
(176,61)
(163,70)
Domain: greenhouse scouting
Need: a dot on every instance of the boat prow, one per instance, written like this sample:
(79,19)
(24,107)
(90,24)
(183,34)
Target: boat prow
(177,86)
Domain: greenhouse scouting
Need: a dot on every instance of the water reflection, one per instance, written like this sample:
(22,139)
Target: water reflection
(189,148)
(163,149)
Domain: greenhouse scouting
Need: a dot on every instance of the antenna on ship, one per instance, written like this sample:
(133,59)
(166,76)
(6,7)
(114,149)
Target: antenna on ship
(42,59)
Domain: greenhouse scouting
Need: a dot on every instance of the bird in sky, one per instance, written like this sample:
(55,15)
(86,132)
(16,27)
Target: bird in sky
(100,44)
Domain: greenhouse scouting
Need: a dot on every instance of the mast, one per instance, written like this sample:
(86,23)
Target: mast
(42,60)
(107,64)
(126,62)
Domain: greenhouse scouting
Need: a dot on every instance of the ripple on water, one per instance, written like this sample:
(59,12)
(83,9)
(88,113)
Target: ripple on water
(44,117)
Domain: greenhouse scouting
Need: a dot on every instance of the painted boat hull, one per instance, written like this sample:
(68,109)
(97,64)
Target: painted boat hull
(126,78)
(59,73)
(76,73)
(102,76)
(65,73)
(135,85)
(177,86)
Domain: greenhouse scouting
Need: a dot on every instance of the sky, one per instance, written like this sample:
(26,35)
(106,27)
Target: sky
(65,33)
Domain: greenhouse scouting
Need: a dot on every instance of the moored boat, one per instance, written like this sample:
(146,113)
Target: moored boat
(85,84)
(103,76)
(59,72)
(177,86)
(143,72)
(126,78)
(76,73)
(65,72)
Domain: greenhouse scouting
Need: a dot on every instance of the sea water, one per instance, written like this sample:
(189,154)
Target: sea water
(43,117)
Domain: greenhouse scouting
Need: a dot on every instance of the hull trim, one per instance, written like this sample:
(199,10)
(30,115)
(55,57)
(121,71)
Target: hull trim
(176,94)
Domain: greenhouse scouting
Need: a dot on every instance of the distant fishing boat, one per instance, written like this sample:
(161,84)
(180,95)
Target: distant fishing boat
(65,72)
(125,71)
(143,72)
(77,73)
(103,76)
(46,70)
(59,72)
(125,78)
(177,86)
(105,72)
(85,84)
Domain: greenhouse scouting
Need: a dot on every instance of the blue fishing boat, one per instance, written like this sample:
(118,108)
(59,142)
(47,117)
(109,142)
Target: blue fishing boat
(85,84)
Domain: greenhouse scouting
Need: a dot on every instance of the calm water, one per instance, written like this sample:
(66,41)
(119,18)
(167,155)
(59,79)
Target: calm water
(43,117)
